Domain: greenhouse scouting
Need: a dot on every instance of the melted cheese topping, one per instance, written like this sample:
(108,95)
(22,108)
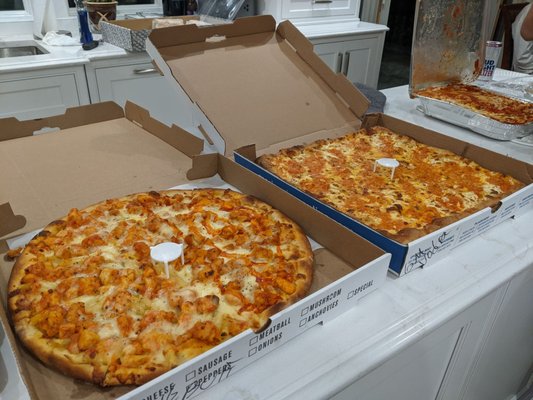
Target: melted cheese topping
(492,105)
(430,183)
(91,286)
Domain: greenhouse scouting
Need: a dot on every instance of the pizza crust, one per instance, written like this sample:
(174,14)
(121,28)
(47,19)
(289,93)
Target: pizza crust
(30,339)
(305,267)
(267,162)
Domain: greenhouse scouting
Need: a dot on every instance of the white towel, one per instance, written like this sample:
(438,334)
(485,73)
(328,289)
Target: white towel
(54,39)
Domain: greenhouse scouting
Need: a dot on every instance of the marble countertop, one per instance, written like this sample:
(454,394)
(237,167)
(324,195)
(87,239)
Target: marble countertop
(57,56)
(344,28)
(327,358)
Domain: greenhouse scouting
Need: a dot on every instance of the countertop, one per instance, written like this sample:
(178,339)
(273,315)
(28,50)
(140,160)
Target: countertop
(327,358)
(58,56)
(74,55)
(317,31)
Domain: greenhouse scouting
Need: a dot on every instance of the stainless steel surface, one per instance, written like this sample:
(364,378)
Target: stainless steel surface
(520,88)
(19,49)
(448,42)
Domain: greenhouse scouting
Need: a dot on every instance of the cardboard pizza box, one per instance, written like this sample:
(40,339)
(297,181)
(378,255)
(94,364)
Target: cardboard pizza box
(258,88)
(100,151)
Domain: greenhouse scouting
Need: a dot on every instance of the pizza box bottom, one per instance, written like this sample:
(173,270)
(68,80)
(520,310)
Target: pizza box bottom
(347,268)
(431,248)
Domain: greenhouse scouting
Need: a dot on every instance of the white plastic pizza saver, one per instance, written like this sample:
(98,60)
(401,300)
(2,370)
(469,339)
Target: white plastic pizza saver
(166,252)
(387,163)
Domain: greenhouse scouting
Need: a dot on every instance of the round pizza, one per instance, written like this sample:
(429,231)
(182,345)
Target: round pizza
(86,296)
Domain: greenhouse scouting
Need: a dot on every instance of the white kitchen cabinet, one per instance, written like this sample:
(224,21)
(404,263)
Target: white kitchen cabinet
(507,355)
(432,368)
(485,352)
(309,11)
(134,78)
(356,56)
(317,8)
(42,92)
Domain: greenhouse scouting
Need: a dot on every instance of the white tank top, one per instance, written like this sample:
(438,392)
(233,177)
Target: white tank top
(522,49)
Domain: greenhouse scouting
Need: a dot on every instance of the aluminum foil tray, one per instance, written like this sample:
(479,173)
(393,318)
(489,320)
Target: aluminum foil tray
(520,87)
(469,119)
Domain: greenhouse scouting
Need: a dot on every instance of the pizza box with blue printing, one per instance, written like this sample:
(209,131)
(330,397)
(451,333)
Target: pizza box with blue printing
(100,151)
(257,89)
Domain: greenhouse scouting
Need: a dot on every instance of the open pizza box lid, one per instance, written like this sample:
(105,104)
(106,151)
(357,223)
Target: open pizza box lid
(253,83)
(46,174)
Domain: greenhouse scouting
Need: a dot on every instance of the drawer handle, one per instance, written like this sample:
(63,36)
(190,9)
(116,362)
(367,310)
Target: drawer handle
(346,60)
(339,62)
(322,1)
(144,71)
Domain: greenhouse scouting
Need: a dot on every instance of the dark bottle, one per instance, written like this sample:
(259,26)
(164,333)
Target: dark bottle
(83,19)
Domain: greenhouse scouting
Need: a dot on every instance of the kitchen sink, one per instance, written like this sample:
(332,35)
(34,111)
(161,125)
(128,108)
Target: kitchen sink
(21,48)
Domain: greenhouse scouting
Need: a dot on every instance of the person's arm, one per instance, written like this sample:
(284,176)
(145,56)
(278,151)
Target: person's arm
(527,26)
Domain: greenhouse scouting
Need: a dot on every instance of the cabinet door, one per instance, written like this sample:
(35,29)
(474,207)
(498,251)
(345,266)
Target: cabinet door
(507,355)
(357,56)
(318,8)
(362,60)
(438,359)
(142,85)
(42,93)
(332,54)
(414,374)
